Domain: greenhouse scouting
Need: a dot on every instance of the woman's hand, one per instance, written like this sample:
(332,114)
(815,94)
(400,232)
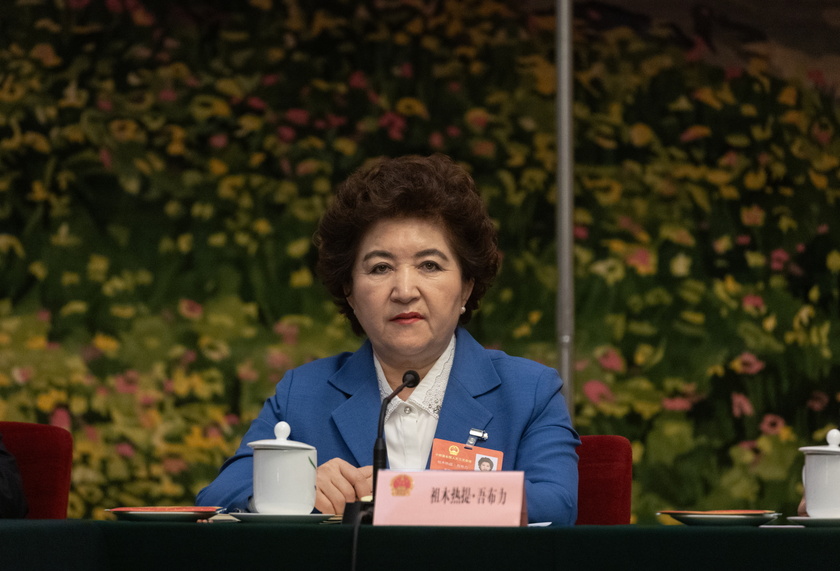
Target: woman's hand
(339,482)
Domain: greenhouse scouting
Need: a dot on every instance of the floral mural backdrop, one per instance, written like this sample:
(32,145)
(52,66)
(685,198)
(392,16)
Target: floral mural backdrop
(163,165)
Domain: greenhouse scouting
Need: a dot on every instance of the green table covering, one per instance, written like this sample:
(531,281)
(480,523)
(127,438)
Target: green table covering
(74,544)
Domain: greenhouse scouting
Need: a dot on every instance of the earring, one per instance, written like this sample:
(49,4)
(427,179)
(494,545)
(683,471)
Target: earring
(463,310)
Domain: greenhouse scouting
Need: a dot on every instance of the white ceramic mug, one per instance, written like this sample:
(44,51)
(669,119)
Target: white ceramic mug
(284,474)
(821,478)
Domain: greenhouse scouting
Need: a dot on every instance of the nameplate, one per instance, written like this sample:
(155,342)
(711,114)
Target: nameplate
(450,498)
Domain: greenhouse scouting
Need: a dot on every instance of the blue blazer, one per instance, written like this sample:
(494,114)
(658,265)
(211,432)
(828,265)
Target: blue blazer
(333,404)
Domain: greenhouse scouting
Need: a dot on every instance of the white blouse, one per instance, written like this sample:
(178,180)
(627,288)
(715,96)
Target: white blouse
(410,425)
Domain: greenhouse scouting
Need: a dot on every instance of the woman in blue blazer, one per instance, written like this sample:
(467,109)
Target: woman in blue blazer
(407,250)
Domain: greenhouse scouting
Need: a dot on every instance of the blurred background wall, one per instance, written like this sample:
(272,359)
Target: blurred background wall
(163,166)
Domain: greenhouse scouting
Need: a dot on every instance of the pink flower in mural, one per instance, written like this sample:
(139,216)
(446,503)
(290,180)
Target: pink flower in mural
(168,95)
(288,331)
(219,141)
(286,134)
(256,103)
(61,417)
(394,123)
(126,383)
(436,140)
(91,433)
(694,133)
(597,391)
(334,120)
(610,360)
(581,232)
(477,118)
(278,360)
(772,424)
(778,259)
(818,401)
(743,239)
(741,405)
(270,79)
(124,449)
(642,261)
(484,148)
(22,375)
(105,158)
(753,216)
(174,465)
(746,363)
(405,70)
(677,403)
(298,116)
(188,357)
(753,302)
(357,80)
(246,372)
(190,309)
(733,72)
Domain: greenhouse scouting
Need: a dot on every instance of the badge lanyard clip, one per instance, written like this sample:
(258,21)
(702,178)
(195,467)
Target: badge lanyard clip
(475,434)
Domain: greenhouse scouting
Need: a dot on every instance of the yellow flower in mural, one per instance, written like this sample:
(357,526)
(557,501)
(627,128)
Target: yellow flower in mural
(301,278)
(819,180)
(542,71)
(74,307)
(49,400)
(105,343)
(97,268)
(262,227)
(45,53)
(832,261)
(126,130)
(346,146)
(264,5)
(10,243)
(411,106)
(707,96)
(788,96)
(217,167)
(641,135)
(203,107)
(298,248)
(39,270)
(755,179)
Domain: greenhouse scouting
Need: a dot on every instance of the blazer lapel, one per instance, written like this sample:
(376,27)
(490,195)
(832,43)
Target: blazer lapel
(472,375)
(357,418)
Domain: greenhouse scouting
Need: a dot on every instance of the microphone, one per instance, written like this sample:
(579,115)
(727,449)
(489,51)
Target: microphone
(380,450)
(362,511)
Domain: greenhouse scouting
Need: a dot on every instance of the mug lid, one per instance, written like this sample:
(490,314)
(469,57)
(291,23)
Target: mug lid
(281,440)
(833,447)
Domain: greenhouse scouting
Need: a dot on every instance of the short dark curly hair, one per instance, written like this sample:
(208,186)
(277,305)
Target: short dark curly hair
(432,188)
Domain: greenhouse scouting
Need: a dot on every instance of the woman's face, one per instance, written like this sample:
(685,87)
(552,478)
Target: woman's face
(407,291)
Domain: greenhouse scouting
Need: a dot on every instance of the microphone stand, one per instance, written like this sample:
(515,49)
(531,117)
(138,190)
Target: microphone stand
(362,511)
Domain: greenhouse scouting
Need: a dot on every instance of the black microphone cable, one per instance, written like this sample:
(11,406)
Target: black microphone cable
(362,510)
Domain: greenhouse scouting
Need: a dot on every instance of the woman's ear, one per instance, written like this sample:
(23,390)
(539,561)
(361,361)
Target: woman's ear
(466,290)
(348,295)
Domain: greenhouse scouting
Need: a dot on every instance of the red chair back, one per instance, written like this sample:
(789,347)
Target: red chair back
(605,472)
(44,454)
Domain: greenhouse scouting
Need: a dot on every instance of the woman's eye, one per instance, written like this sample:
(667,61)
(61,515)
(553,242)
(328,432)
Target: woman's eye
(430,266)
(379,269)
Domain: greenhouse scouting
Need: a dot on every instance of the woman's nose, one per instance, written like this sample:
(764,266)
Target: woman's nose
(405,285)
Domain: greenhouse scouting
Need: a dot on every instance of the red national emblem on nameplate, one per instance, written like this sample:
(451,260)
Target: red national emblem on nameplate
(401,485)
